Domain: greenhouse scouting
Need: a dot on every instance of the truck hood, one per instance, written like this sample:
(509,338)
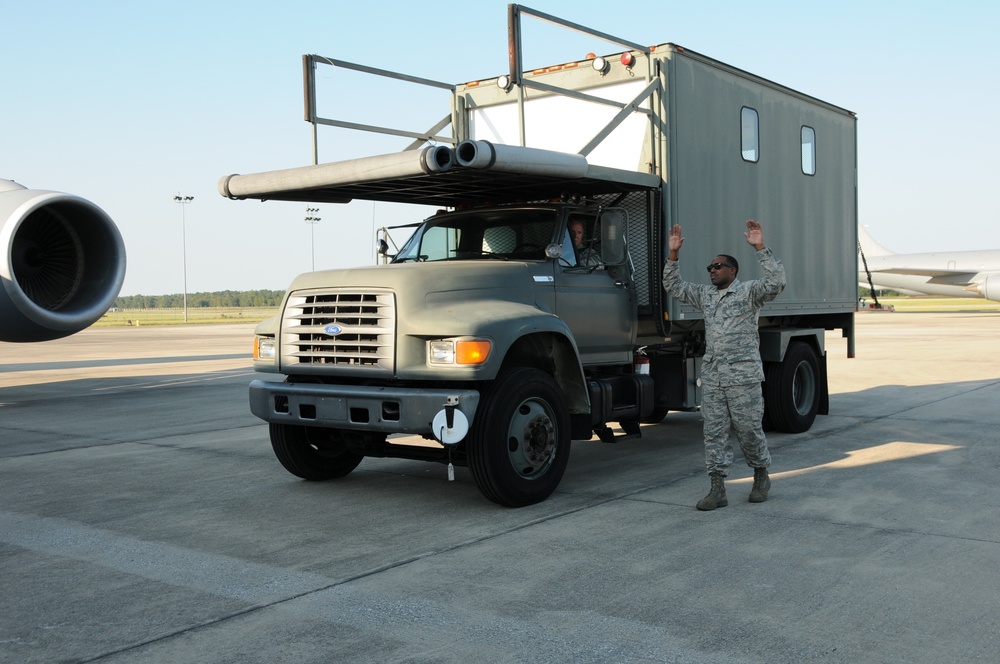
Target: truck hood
(435,297)
(443,276)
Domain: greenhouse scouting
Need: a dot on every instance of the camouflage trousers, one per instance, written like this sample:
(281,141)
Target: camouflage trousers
(735,409)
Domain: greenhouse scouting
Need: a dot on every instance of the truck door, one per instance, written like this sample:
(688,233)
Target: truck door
(594,298)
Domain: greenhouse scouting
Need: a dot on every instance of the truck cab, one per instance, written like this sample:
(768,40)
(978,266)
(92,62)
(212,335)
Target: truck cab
(586,286)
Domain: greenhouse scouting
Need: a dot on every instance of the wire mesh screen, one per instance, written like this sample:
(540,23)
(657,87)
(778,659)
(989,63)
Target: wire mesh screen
(644,238)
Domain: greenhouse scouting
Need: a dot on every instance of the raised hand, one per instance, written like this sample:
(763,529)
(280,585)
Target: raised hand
(754,234)
(675,240)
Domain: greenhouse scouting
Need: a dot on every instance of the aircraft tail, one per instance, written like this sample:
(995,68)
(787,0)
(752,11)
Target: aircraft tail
(870,246)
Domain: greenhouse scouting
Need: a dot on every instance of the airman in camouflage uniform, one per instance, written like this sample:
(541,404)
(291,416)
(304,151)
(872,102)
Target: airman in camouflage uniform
(732,370)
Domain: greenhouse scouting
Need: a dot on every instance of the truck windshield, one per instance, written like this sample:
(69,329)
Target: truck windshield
(509,234)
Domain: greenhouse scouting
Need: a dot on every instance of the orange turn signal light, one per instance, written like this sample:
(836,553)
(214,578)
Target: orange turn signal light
(472,351)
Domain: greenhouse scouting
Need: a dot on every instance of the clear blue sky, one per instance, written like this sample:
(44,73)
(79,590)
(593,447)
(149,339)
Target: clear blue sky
(130,103)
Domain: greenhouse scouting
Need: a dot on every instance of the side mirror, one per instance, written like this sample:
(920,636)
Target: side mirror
(613,222)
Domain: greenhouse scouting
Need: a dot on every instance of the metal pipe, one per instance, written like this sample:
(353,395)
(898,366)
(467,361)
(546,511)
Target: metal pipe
(516,159)
(432,159)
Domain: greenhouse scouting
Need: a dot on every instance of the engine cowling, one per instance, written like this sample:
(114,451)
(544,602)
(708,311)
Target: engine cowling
(990,287)
(62,266)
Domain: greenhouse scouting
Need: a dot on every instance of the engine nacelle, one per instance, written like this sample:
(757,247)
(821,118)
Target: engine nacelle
(62,263)
(990,287)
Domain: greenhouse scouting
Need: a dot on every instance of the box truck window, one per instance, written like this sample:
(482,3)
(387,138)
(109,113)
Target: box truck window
(808,150)
(750,139)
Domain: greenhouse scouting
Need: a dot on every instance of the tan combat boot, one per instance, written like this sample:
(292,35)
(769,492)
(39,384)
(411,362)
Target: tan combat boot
(716,495)
(761,485)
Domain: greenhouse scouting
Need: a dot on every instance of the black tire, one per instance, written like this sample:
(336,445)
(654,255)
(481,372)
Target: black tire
(765,421)
(520,439)
(313,453)
(792,389)
(656,416)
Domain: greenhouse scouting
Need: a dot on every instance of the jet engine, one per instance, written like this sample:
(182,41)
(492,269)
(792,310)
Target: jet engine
(62,263)
(990,287)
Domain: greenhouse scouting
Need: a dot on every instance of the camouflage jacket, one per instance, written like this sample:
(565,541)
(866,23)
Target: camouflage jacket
(732,344)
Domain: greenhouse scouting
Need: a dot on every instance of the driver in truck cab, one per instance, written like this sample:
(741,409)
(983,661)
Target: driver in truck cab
(585,255)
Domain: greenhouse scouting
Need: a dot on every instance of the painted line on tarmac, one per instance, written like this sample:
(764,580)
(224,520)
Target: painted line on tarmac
(174,381)
(122,362)
(583,636)
(219,575)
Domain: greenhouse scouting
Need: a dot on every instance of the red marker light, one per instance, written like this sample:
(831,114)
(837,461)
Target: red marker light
(628,59)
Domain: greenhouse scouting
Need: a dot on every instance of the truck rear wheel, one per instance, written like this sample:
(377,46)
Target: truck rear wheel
(792,390)
(520,439)
(313,453)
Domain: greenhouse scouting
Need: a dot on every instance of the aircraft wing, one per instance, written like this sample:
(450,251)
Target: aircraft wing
(943,277)
(948,283)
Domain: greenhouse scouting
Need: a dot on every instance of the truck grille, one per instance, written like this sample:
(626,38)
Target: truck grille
(346,328)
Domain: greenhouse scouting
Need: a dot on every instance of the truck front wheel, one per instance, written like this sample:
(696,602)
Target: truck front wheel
(313,453)
(519,444)
(792,389)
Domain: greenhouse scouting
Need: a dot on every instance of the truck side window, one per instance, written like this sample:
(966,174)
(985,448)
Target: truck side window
(749,134)
(568,252)
(586,246)
(808,150)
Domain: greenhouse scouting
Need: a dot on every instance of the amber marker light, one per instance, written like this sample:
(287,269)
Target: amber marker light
(472,351)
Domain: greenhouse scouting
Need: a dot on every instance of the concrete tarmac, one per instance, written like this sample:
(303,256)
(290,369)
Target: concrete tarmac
(144,518)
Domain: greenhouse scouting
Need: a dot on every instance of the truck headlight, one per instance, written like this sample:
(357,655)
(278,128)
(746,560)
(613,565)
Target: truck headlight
(459,351)
(263,348)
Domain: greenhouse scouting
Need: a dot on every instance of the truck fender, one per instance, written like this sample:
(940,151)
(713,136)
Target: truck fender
(557,354)
(774,345)
(523,335)
(269,327)
(774,341)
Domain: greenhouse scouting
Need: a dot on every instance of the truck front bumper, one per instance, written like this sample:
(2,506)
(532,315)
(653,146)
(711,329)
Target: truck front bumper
(360,407)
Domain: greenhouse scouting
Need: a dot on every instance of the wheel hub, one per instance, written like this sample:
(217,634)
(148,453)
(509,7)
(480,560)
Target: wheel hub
(803,388)
(531,440)
(538,439)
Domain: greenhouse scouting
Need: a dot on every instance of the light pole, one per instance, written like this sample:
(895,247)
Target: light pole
(312,220)
(184,200)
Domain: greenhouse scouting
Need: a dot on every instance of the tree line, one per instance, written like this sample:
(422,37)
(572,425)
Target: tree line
(258,298)
(255,298)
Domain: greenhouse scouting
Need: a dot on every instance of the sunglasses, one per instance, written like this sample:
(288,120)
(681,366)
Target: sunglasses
(717,266)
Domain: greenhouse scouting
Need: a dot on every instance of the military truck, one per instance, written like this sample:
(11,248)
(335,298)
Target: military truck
(491,339)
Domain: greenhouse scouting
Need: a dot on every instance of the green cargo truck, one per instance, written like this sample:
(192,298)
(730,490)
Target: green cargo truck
(493,339)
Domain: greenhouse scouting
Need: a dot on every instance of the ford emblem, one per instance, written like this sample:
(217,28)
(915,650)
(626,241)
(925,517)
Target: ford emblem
(333,330)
